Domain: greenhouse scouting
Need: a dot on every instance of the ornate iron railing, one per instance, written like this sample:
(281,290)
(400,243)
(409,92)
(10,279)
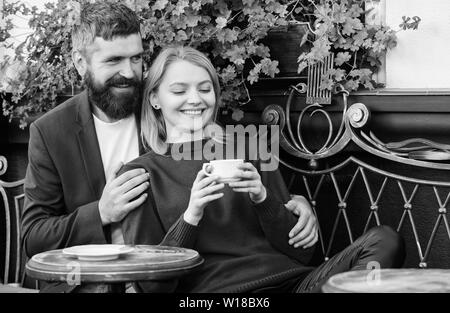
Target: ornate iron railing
(353,127)
(11,197)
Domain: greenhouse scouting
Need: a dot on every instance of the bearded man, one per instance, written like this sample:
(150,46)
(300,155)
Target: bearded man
(72,194)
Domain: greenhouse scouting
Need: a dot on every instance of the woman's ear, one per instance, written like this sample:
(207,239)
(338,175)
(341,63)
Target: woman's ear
(80,62)
(154,101)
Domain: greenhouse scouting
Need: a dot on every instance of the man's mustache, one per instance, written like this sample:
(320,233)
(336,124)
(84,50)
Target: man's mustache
(119,80)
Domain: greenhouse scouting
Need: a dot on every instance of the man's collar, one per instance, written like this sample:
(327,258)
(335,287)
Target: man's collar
(84,110)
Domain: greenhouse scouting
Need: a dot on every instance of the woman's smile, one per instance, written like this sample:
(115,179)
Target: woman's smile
(193,112)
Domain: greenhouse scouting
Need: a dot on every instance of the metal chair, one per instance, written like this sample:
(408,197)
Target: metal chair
(324,170)
(13,263)
(349,177)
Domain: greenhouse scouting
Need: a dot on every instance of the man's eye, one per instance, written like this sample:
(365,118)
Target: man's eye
(113,61)
(136,59)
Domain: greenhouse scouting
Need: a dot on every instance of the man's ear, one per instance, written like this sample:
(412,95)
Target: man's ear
(80,62)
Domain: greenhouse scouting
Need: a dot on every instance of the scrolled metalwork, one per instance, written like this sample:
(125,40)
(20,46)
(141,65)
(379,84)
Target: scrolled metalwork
(273,115)
(314,112)
(415,151)
(355,127)
(12,221)
(3,165)
(300,88)
(427,151)
(293,142)
(358,115)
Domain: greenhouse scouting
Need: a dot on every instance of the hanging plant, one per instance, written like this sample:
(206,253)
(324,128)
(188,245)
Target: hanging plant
(358,46)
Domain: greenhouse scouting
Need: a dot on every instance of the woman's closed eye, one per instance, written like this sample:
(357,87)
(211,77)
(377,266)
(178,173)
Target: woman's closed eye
(182,91)
(178,92)
(205,87)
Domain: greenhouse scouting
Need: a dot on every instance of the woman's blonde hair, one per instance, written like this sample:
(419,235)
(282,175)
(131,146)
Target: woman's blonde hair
(153,128)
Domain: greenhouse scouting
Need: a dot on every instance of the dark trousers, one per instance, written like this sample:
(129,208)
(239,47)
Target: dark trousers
(380,246)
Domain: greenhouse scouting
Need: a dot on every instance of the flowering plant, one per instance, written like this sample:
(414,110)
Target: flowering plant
(342,28)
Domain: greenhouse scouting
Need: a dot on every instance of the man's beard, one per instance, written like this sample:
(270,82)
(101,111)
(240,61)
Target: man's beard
(115,106)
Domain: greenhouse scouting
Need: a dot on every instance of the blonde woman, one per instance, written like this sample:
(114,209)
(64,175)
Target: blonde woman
(241,228)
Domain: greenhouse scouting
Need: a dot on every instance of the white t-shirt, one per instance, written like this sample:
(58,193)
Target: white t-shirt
(118,142)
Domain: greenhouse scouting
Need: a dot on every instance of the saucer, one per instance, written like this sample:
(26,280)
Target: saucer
(97,252)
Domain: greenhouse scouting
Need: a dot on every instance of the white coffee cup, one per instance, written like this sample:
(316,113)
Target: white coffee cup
(227,170)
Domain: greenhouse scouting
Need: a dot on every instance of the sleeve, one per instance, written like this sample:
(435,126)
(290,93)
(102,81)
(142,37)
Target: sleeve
(144,226)
(181,234)
(276,221)
(46,225)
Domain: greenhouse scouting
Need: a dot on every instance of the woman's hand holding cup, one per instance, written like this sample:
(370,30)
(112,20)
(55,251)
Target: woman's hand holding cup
(250,182)
(203,192)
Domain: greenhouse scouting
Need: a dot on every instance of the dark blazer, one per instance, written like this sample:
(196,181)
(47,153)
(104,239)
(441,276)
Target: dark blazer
(64,180)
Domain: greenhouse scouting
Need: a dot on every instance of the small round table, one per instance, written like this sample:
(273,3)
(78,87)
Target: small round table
(390,281)
(144,263)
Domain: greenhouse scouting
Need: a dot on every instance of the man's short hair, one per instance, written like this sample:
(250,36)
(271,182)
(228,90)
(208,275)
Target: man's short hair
(106,20)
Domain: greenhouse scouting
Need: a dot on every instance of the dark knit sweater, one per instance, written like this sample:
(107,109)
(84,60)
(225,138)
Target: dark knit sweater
(244,245)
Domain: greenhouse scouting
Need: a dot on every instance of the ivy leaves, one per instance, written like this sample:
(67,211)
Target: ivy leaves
(358,48)
(341,58)
(221,22)
(229,32)
(266,66)
(351,26)
(47,70)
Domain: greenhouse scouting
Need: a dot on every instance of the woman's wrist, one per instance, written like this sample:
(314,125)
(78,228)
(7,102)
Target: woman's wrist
(193,219)
(259,198)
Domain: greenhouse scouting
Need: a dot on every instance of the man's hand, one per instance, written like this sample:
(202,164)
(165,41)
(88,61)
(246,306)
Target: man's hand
(305,232)
(115,202)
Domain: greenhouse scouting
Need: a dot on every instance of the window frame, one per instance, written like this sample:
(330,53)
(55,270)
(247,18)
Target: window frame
(377,15)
